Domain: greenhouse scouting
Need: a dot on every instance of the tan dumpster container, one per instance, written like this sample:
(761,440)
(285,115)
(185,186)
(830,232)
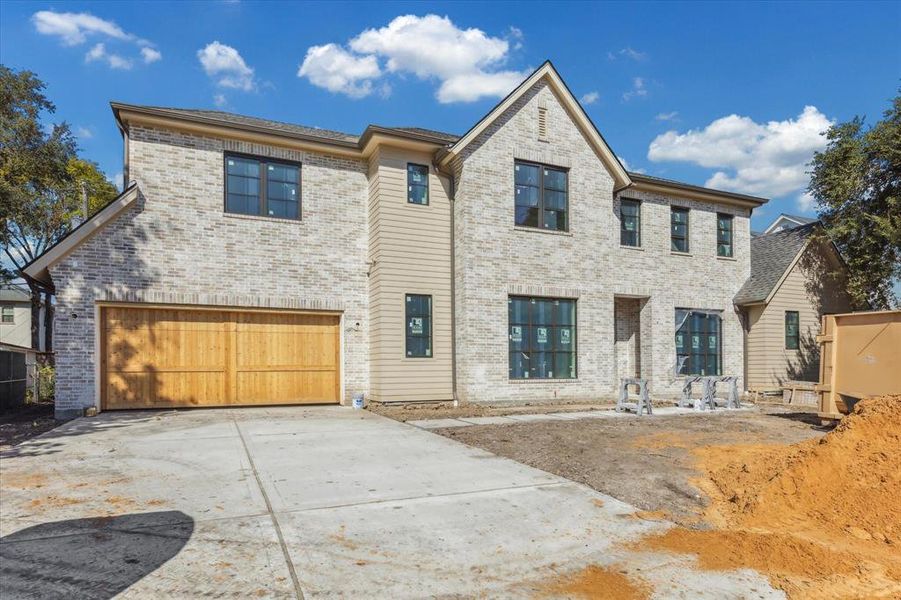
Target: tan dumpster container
(860,356)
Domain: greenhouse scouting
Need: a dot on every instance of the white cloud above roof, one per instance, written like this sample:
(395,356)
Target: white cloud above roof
(767,159)
(98,53)
(590,98)
(468,64)
(226,67)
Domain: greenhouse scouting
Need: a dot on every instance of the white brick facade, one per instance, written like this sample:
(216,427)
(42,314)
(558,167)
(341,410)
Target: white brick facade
(177,245)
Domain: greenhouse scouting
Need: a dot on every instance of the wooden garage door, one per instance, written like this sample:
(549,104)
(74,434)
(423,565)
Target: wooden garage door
(168,357)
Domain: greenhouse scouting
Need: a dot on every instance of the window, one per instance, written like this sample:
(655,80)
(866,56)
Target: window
(262,187)
(417,184)
(723,235)
(541,196)
(542,338)
(629,222)
(419,326)
(679,234)
(792,330)
(698,342)
(7,315)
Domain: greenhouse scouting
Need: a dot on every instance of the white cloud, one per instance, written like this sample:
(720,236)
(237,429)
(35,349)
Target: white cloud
(670,116)
(629,167)
(224,64)
(467,63)
(150,55)
(220,100)
(74,29)
(639,89)
(99,53)
(806,202)
(768,159)
(84,133)
(337,70)
(590,98)
(515,34)
(627,52)
(118,180)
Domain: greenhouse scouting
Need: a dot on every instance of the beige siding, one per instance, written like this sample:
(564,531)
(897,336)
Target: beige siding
(809,290)
(19,331)
(409,253)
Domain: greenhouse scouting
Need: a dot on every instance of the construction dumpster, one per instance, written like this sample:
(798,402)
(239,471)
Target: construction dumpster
(860,356)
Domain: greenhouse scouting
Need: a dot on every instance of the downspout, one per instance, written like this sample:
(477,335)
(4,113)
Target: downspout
(453,278)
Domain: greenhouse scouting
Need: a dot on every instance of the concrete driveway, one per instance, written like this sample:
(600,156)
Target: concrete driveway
(305,502)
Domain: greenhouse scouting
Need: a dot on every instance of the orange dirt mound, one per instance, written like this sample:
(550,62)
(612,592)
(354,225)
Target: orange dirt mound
(598,582)
(821,518)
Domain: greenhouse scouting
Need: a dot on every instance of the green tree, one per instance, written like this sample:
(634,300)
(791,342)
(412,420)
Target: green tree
(856,182)
(42,182)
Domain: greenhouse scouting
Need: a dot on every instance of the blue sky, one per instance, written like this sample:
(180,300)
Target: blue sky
(725,94)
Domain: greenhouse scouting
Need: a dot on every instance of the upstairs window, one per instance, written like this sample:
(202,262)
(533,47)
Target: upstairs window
(263,187)
(629,222)
(724,235)
(419,326)
(679,229)
(541,196)
(792,330)
(417,184)
(7,314)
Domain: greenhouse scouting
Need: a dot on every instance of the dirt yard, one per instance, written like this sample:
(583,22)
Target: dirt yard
(645,462)
(25,422)
(443,410)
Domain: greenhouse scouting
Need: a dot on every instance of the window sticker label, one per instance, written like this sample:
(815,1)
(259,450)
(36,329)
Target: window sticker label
(696,342)
(678,340)
(516,333)
(416,325)
(542,335)
(711,342)
(565,336)
(417,177)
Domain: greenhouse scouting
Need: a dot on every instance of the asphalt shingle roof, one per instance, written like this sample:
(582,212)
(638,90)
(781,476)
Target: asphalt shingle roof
(13,294)
(771,255)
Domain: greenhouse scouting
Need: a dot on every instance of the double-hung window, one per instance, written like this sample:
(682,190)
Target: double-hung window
(263,187)
(541,196)
(542,334)
(698,342)
(629,222)
(724,235)
(7,314)
(792,330)
(418,313)
(679,229)
(417,184)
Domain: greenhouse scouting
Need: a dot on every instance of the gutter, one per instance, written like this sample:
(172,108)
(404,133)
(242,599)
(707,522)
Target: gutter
(453,277)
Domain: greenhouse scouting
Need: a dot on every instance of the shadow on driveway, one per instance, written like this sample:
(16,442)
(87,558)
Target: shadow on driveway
(89,558)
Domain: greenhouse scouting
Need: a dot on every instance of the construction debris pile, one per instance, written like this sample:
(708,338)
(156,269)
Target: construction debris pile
(822,518)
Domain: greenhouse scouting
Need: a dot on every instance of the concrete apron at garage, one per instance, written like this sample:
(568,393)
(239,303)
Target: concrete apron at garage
(305,502)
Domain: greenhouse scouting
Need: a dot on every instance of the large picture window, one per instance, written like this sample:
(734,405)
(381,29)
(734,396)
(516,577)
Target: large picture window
(698,342)
(542,336)
(792,330)
(541,196)
(262,187)
(418,313)
(679,229)
(629,222)
(724,235)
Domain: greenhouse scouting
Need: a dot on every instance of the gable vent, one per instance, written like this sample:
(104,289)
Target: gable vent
(542,123)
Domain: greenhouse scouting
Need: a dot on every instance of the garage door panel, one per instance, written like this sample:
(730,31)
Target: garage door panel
(288,387)
(162,357)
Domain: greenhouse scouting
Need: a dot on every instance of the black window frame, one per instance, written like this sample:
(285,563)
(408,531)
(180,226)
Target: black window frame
(426,185)
(263,162)
(673,237)
(730,230)
(12,314)
(796,338)
(693,366)
(541,189)
(554,327)
(622,223)
(428,350)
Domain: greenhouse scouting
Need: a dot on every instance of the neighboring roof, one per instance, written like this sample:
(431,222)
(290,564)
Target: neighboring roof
(793,218)
(38,268)
(581,118)
(771,256)
(650,179)
(11,293)
(448,137)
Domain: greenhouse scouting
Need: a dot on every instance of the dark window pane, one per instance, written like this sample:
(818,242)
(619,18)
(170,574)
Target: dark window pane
(697,343)
(417,184)
(564,365)
(566,312)
(418,194)
(565,338)
(519,365)
(284,173)
(542,312)
(243,185)
(554,200)
(242,204)
(554,180)
(243,166)
(418,326)
(518,310)
(542,364)
(542,337)
(680,245)
(526,174)
(527,217)
(526,196)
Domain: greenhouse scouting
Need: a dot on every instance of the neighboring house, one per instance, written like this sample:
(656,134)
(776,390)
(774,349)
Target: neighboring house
(15,316)
(784,221)
(256,262)
(792,285)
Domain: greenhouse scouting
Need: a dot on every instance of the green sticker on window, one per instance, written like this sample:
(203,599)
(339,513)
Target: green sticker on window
(565,337)
(516,333)
(416,325)
(542,335)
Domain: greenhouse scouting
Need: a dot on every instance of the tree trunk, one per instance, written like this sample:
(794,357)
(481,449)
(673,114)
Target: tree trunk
(48,327)
(35,315)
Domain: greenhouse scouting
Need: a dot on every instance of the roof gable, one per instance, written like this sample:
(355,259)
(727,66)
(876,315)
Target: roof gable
(569,102)
(772,256)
